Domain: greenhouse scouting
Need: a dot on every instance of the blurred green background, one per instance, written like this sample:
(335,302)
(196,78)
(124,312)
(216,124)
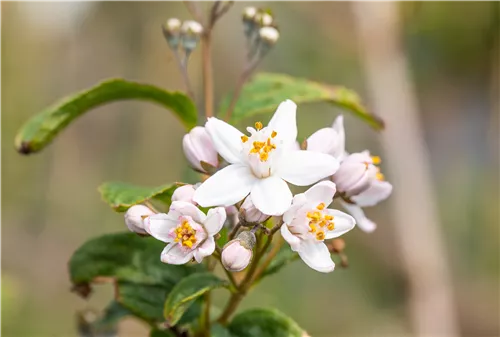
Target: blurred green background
(50,202)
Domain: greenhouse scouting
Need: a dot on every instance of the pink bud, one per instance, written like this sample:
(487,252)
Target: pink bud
(238,253)
(252,214)
(184,193)
(135,216)
(355,174)
(198,147)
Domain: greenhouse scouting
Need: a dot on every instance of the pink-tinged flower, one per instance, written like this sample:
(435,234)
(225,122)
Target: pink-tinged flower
(308,223)
(251,213)
(329,140)
(238,253)
(198,147)
(356,173)
(135,216)
(262,163)
(187,231)
(184,193)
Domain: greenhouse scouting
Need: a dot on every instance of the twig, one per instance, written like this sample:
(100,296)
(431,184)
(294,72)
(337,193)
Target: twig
(185,75)
(195,10)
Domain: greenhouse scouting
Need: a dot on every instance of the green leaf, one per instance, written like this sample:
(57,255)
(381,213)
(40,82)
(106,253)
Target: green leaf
(121,196)
(266,91)
(112,315)
(144,300)
(161,333)
(39,131)
(218,330)
(263,323)
(285,256)
(187,291)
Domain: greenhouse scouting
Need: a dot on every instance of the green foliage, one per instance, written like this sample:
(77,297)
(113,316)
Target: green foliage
(218,330)
(263,323)
(39,131)
(265,91)
(161,333)
(186,292)
(121,196)
(285,256)
(113,313)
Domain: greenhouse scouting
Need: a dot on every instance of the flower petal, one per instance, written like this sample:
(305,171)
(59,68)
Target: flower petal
(159,226)
(322,192)
(174,254)
(215,220)
(316,256)
(183,208)
(205,249)
(338,126)
(343,223)
(292,240)
(378,191)
(226,187)
(271,195)
(324,141)
(297,202)
(362,221)
(304,168)
(284,122)
(226,139)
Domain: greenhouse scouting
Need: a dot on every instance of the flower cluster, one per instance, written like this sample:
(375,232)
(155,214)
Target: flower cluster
(251,172)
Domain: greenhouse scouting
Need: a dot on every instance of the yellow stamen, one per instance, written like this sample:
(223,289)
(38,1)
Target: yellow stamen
(328,217)
(313,227)
(274,134)
(320,235)
(244,139)
(258,125)
(264,156)
(376,160)
(379,176)
(331,226)
(321,206)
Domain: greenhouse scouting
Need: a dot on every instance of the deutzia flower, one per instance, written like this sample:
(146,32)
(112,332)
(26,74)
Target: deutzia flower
(187,231)
(358,178)
(135,217)
(198,148)
(308,223)
(262,163)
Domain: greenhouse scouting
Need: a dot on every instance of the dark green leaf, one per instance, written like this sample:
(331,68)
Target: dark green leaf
(121,196)
(39,131)
(144,300)
(284,257)
(187,291)
(263,323)
(266,91)
(161,333)
(224,237)
(112,315)
(218,330)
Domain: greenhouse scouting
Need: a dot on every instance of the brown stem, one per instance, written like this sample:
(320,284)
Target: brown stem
(208,72)
(185,75)
(195,10)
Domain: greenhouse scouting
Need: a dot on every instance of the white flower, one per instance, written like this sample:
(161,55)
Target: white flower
(329,140)
(135,216)
(238,253)
(184,193)
(308,223)
(187,230)
(198,147)
(260,165)
(251,213)
(356,173)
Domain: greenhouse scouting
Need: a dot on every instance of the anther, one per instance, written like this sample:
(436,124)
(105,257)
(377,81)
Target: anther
(244,139)
(258,126)
(321,206)
(376,160)
(274,134)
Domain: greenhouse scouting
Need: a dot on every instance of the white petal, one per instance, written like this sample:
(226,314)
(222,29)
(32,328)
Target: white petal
(362,221)
(338,126)
(226,139)
(292,240)
(215,220)
(316,256)
(343,223)
(324,141)
(205,249)
(179,208)
(284,121)
(271,196)
(322,192)
(174,254)
(297,202)
(378,191)
(160,225)
(304,168)
(226,187)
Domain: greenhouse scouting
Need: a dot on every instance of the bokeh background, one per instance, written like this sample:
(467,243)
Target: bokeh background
(50,204)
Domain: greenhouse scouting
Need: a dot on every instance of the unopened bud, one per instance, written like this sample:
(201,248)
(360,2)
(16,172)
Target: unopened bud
(171,31)
(354,174)
(135,216)
(191,32)
(250,213)
(249,13)
(263,19)
(268,37)
(238,253)
(198,147)
(184,193)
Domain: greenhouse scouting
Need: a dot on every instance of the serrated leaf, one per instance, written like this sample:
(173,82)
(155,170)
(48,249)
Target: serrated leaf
(266,91)
(264,323)
(187,291)
(40,130)
(144,300)
(121,196)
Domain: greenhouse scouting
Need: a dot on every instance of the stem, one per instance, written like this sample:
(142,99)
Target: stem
(234,231)
(207,71)
(195,10)
(185,76)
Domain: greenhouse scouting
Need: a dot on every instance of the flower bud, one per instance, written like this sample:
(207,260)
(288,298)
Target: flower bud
(237,253)
(191,32)
(135,216)
(198,147)
(355,174)
(268,37)
(250,213)
(263,19)
(184,193)
(249,13)
(171,31)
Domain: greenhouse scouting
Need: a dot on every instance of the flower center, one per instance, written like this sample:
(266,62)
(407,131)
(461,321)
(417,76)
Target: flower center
(376,160)
(318,222)
(261,148)
(185,234)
